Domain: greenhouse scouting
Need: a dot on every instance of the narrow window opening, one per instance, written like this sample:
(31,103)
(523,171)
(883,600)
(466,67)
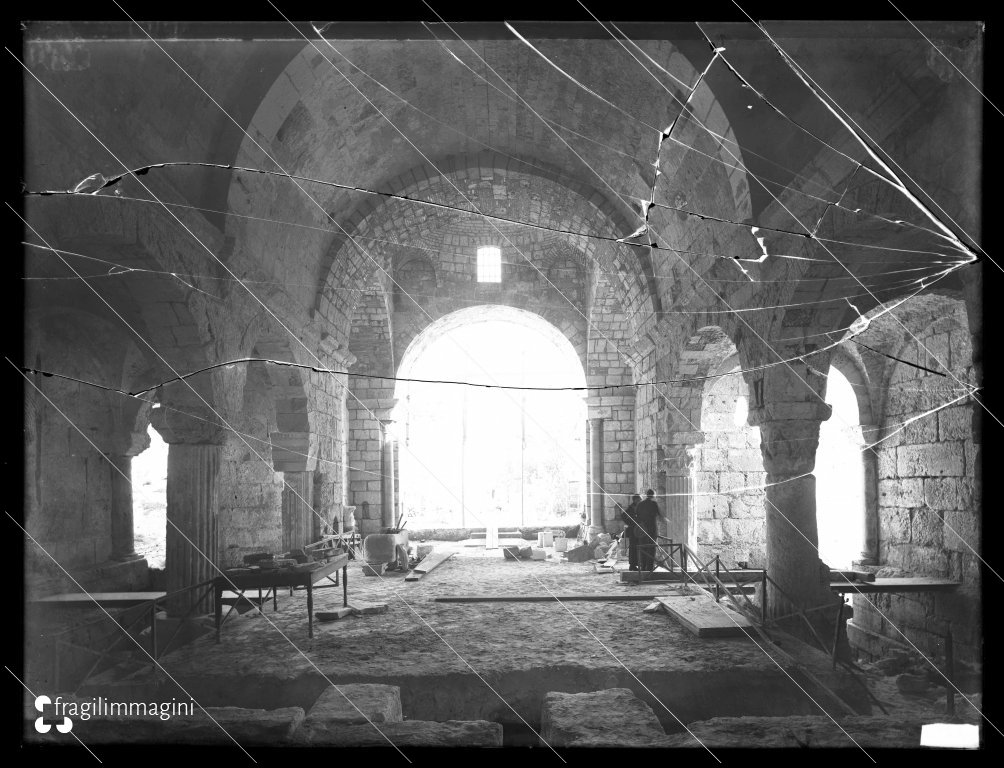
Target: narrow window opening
(489,264)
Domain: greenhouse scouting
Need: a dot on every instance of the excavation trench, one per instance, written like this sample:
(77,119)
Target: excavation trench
(514,698)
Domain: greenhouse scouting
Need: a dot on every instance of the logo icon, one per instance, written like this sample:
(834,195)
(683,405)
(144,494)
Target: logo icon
(44,727)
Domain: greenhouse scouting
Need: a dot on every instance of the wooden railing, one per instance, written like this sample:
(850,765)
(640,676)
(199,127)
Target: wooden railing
(145,610)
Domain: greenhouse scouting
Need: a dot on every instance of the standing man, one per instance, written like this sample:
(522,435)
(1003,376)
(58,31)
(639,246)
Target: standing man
(646,516)
(631,531)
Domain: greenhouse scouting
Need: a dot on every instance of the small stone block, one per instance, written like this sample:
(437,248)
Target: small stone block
(373,569)
(340,613)
(561,544)
(364,609)
(422,550)
(538,554)
(510,553)
(652,608)
(580,554)
(525,552)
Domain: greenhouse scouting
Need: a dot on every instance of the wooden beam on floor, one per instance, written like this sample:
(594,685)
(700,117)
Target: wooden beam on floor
(432,560)
(545,597)
(704,617)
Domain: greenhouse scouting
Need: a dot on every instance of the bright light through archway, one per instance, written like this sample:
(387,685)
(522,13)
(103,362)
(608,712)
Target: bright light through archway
(476,456)
(840,498)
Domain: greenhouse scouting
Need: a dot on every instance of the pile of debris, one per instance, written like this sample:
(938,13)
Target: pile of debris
(918,679)
(295,561)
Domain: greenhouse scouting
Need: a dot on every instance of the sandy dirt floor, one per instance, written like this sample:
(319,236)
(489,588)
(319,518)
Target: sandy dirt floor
(421,636)
(492,660)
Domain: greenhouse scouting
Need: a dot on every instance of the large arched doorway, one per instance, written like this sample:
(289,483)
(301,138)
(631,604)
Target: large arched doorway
(473,456)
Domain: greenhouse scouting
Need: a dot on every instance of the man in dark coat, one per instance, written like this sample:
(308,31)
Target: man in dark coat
(631,531)
(646,516)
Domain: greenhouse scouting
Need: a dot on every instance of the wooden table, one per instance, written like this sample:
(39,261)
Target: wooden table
(102,599)
(892,585)
(272,580)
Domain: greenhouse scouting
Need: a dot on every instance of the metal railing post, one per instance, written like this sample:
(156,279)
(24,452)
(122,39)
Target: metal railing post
(950,674)
(763,598)
(836,630)
(718,573)
(55,663)
(153,630)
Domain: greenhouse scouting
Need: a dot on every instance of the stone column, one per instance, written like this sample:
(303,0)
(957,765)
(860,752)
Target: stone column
(870,534)
(789,438)
(680,494)
(122,520)
(192,473)
(596,485)
(388,477)
(195,449)
(298,519)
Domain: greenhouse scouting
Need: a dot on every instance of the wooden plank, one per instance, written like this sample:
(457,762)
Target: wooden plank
(852,575)
(704,617)
(431,561)
(105,599)
(545,597)
(902,584)
(736,577)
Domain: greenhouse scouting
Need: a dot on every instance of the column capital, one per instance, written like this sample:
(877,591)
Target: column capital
(339,354)
(197,426)
(780,412)
(678,460)
(789,446)
(381,408)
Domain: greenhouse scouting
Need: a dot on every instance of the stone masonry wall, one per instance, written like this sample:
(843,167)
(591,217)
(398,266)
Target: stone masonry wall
(250,504)
(729,522)
(928,496)
(67,479)
(328,392)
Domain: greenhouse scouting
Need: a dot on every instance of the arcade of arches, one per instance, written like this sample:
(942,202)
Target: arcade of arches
(664,266)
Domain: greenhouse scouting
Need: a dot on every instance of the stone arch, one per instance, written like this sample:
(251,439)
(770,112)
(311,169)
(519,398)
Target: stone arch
(528,194)
(852,368)
(561,446)
(293,440)
(566,339)
(845,468)
(415,278)
(705,351)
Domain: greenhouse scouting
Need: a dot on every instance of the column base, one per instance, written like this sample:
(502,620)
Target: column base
(126,558)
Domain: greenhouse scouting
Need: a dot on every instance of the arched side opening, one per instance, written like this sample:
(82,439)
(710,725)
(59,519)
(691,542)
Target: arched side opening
(840,476)
(149,501)
(474,456)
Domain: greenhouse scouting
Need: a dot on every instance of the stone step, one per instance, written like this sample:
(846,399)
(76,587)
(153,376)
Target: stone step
(410,733)
(351,704)
(802,731)
(215,725)
(614,717)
